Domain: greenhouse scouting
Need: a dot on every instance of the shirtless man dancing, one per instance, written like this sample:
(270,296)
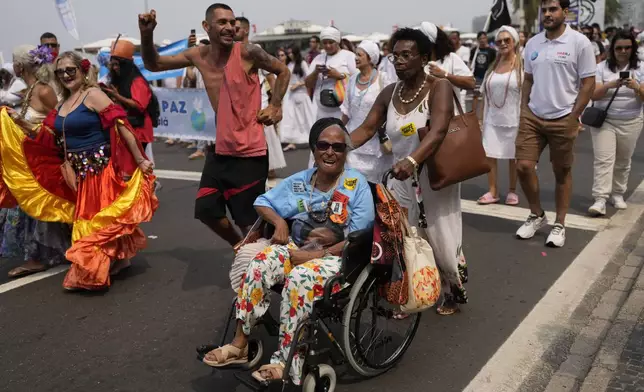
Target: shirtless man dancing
(236,168)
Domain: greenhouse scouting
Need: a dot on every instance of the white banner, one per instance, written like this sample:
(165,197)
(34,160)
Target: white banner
(185,114)
(588,12)
(68,17)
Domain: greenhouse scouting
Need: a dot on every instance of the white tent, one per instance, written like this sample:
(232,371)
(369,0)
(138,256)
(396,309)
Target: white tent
(354,38)
(94,47)
(378,37)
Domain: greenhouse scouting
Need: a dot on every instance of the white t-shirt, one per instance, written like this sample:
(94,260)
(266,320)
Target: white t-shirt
(344,62)
(557,67)
(11,96)
(627,104)
(464,53)
(388,71)
(454,65)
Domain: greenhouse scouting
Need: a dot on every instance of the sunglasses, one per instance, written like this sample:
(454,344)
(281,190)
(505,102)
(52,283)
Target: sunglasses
(52,46)
(504,41)
(623,48)
(337,147)
(70,71)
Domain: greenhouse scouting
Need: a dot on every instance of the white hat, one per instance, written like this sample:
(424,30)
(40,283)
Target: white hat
(372,49)
(430,30)
(331,33)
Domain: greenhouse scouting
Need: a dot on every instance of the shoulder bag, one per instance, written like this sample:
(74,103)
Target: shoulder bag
(461,155)
(333,97)
(595,117)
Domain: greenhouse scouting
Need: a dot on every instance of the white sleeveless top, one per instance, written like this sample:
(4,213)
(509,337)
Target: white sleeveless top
(403,129)
(34,116)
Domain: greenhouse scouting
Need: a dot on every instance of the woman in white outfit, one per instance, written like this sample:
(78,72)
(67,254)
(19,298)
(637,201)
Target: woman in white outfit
(445,63)
(362,91)
(614,142)
(407,106)
(298,112)
(501,90)
(327,68)
(275,154)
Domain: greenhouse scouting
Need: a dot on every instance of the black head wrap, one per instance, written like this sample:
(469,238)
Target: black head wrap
(319,127)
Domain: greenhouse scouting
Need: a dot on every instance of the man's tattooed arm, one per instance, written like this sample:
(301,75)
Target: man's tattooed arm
(262,60)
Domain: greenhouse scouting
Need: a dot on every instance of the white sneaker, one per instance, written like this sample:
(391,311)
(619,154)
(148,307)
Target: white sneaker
(557,237)
(618,202)
(599,208)
(531,226)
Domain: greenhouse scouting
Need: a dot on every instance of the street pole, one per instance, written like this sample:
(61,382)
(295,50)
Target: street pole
(521,15)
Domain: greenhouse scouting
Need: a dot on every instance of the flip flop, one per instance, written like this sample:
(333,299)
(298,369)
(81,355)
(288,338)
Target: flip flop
(488,198)
(276,370)
(20,272)
(512,199)
(227,355)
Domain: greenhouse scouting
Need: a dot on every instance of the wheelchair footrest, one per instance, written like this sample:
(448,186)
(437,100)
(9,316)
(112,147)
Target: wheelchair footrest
(247,379)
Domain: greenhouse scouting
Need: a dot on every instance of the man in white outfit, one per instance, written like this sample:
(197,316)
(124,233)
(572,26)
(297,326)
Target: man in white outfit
(559,81)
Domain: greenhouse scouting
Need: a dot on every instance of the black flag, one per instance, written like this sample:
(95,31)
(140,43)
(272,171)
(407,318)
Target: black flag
(499,15)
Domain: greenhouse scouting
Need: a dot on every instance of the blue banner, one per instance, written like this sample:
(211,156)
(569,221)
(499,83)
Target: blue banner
(185,114)
(169,50)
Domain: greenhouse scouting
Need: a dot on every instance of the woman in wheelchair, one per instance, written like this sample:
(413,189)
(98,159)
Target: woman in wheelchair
(324,204)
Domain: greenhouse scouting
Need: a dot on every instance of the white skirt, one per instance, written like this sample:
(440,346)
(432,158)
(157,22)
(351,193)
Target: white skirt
(298,117)
(498,141)
(275,154)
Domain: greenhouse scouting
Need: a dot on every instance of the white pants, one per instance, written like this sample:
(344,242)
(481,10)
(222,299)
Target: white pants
(613,146)
(444,229)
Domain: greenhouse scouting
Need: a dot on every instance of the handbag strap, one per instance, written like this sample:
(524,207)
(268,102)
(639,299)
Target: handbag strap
(65,119)
(611,99)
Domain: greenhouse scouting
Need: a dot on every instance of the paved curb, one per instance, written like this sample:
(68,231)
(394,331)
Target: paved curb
(595,352)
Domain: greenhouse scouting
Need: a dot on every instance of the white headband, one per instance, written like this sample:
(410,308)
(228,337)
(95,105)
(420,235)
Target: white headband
(510,30)
(372,49)
(430,30)
(331,33)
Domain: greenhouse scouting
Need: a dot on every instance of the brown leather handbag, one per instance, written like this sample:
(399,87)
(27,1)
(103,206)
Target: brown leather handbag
(461,155)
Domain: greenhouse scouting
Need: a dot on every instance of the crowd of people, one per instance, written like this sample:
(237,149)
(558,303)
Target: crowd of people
(77,181)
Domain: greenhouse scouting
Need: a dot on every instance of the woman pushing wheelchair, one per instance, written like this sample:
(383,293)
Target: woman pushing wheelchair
(324,204)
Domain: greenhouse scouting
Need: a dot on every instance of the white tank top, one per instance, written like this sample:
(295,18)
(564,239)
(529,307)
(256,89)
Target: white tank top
(403,129)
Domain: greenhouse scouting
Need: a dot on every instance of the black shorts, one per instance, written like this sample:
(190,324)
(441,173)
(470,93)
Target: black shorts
(232,182)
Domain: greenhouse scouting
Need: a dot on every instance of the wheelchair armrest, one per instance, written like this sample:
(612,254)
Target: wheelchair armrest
(355,240)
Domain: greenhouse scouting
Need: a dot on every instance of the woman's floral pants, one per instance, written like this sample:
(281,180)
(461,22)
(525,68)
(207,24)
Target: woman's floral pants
(303,285)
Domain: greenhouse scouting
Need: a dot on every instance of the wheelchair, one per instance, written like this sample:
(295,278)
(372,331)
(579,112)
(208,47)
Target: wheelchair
(357,308)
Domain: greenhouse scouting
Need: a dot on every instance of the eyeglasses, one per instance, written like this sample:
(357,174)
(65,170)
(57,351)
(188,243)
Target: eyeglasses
(405,56)
(623,48)
(337,147)
(70,71)
(504,41)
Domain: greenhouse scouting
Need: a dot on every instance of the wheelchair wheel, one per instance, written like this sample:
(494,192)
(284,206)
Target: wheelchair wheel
(373,339)
(328,380)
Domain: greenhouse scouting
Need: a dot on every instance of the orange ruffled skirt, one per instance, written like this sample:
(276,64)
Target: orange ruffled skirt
(105,213)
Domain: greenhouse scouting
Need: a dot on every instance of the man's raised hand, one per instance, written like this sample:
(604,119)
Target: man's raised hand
(147,22)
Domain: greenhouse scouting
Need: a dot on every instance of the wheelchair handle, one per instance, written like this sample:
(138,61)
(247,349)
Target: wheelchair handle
(385,177)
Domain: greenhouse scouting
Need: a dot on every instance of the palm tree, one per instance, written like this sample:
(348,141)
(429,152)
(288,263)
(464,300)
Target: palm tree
(531,9)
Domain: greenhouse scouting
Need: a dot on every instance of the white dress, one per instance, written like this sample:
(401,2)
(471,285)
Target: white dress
(298,114)
(454,65)
(343,62)
(501,125)
(368,159)
(442,208)
(275,154)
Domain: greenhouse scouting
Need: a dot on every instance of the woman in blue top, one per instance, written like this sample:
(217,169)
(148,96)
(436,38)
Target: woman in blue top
(324,204)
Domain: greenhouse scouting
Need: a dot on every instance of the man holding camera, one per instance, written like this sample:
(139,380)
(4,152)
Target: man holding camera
(236,168)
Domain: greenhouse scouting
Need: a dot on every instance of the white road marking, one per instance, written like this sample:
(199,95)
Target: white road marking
(520,214)
(14,284)
(469,207)
(525,349)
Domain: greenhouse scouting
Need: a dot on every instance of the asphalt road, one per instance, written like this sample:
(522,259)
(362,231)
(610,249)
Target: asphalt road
(141,334)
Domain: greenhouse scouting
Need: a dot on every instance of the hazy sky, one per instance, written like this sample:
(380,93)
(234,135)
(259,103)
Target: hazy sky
(25,20)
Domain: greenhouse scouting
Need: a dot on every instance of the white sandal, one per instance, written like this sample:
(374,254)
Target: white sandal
(227,355)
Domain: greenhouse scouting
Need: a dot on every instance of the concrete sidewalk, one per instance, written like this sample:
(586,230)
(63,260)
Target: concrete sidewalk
(608,353)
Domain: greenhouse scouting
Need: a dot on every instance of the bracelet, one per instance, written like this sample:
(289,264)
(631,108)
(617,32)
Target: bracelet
(413,161)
